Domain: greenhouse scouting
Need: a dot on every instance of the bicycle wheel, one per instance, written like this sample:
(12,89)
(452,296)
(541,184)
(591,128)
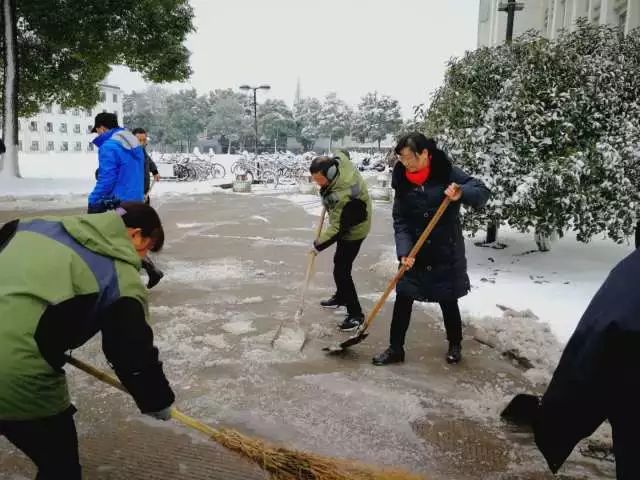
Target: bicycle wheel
(181,172)
(269,178)
(217,171)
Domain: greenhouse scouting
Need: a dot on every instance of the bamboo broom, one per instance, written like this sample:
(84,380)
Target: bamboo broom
(281,463)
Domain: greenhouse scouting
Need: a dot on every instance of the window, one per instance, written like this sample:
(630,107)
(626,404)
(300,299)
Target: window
(89,128)
(88,113)
(76,112)
(63,128)
(103,96)
(546,19)
(35,146)
(48,109)
(622,20)
(485,9)
(562,14)
(621,13)
(64,147)
(90,147)
(595,11)
(76,128)
(104,111)
(50,147)
(115,98)
(49,127)
(33,126)
(63,110)
(78,147)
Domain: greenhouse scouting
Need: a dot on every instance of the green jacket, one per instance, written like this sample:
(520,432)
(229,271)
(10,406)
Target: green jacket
(62,280)
(348,204)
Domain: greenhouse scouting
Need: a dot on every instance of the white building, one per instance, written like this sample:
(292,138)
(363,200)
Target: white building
(55,129)
(552,16)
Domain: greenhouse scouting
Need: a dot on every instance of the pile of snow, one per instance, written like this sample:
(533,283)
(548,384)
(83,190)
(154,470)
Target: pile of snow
(520,335)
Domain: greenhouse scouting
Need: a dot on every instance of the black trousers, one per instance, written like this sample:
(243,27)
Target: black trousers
(346,253)
(51,443)
(402,316)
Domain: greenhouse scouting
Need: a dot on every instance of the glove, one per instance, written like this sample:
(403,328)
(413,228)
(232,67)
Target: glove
(164,414)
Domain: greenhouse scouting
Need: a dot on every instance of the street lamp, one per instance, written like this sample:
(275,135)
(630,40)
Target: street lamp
(255,107)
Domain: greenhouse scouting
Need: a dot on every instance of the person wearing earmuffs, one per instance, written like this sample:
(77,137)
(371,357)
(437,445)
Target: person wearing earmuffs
(346,198)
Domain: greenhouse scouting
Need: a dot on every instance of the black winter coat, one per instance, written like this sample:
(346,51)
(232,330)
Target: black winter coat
(440,271)
(149,168)
(597,377)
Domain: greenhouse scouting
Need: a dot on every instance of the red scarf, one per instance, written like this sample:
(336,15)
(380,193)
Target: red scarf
(419,177)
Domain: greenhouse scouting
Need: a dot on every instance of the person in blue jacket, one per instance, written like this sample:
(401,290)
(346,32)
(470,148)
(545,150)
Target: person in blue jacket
(120,165)
(120,175)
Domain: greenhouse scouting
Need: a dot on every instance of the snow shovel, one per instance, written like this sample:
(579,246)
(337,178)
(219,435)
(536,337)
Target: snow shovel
(361,333)
(296,335)
(279,462)
(522,409)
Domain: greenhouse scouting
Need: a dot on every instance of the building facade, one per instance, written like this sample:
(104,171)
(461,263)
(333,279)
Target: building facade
(550,17)
(56,129)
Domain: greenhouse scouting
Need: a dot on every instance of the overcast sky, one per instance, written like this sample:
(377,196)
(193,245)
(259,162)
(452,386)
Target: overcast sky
(397,47)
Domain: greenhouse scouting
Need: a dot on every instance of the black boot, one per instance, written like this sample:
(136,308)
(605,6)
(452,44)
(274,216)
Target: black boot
(153,272)
(351,322)
(331,303)
(388,357)
(454,354)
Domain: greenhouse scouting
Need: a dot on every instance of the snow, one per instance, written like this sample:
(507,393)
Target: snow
(238,327)
(290,339)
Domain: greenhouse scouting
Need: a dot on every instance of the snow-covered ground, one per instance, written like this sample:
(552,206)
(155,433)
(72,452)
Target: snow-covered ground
(234,264)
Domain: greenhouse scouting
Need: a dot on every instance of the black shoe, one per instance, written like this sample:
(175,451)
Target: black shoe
(153,272)
(454,354)
(351,322)
(388,357)
(331,303)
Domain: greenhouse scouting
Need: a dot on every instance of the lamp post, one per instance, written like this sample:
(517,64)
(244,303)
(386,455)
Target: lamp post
(255,107)
(510,7)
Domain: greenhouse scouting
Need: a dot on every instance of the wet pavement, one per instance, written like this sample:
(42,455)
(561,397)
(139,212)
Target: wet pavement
(234,265)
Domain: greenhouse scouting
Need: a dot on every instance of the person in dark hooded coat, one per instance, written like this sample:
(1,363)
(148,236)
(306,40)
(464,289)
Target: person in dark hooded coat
(421,179)
(597,378)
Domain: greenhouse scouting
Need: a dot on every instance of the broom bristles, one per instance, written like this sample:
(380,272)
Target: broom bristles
(285,464)
(281,463)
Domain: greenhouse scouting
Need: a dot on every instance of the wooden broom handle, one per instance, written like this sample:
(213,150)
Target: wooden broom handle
(175,414)
(412,254)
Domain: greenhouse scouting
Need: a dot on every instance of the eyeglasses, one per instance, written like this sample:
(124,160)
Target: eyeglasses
(408,159)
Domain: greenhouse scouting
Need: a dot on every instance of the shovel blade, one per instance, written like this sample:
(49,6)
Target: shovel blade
(522,409)
(349,342)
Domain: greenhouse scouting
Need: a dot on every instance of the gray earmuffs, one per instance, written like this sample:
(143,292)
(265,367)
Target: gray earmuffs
(331,172)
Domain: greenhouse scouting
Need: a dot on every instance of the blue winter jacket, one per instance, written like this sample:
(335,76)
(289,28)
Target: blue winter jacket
(120,168)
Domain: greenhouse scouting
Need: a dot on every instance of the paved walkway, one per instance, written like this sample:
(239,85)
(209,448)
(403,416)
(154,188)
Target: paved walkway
(234,265)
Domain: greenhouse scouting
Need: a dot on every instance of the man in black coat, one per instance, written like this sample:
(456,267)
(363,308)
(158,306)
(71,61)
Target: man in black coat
(597,377)
(150,167)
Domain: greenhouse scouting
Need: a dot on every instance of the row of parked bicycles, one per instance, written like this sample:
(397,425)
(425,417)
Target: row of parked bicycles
(193,167)
(284,168)
(273,169)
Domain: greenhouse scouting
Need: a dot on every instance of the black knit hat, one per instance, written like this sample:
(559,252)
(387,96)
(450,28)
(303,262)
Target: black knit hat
(105,119)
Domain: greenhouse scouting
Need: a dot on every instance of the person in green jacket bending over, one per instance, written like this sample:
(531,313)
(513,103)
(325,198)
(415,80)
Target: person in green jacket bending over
(345,196)
(62,280)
